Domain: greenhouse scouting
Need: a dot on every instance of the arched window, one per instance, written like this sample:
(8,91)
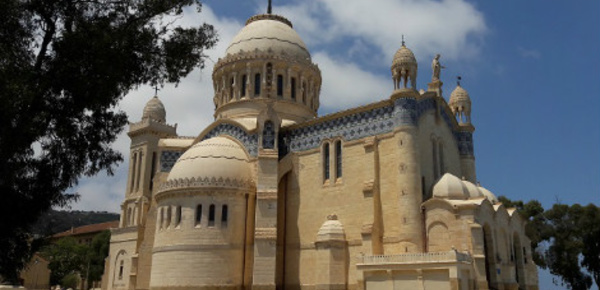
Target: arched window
(268,135)
(198,214)
(338,159)
(224,215)
(211,215)
(152,170)
(257,84)
(121,270)
(231,89)
(168,216)
(177,215)
(160,218)
(326,161)
(304,92)
(133,171)
(243,86)
(279,85)
(293,84)
(441,156)
(128,217)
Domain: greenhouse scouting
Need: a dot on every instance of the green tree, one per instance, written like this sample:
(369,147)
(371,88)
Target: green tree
(66,257)
(566,239)
(98,251)
(64,66)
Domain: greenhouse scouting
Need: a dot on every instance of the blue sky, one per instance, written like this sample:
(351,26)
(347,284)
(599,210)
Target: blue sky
(532,69)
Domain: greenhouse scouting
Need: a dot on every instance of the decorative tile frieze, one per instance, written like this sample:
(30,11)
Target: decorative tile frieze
(465,143)
(250,141)
(168,159)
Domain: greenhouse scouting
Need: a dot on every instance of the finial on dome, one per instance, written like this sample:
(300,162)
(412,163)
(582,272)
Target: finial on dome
(269,8)
(403,43)
(458,79)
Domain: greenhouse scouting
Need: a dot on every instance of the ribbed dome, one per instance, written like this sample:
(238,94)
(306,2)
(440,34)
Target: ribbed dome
(472,189)
(459,97)
(218,160)
(404,57)
(450,187)
(155,110)
(269,32)
(489,195)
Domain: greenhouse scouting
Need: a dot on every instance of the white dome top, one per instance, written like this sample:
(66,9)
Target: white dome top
(269,32)
(215,161)
(489,195)
(472,189)
(155,110)
(450,187)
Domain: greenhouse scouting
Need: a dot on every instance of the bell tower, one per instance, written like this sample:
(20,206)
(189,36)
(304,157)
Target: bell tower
(143,162)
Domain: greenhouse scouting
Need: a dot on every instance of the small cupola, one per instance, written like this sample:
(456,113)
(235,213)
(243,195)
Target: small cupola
(460,104)
(404,68)
(155,110)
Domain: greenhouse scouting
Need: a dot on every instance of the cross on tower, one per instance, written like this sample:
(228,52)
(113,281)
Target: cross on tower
(156,90)
(269,9)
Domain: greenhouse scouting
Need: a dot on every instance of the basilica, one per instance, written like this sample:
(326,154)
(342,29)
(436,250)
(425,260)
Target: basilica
(273,196)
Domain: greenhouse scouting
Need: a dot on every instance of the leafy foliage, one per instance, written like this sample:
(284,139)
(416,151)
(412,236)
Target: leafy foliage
(56,221)
(64,66)
(566,239)
(67,257)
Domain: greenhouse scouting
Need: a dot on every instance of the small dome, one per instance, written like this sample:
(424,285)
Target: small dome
(155,110)
(218,160)
(404,57)
(489,195)
(332,229)
(450,187)
(472,189)
(269,32)
(460,97)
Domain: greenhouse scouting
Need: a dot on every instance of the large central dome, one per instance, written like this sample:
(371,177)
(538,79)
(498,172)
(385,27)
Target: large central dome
(269,32)
(266,67)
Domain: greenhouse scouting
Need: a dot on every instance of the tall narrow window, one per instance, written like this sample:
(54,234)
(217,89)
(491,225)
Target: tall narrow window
(304,92)
(121,270)
(338,159)
(198,214)
(211,215)
(139,171)
(177,215)
(152,169)
(326,161)
(441,156)
(231,89)
(168,216)
(243,86)
(257,84)
(224,217)
(268,135)
(293,84)
(436,165)
(133,171)
(279,85)
(128,217)
(161,218)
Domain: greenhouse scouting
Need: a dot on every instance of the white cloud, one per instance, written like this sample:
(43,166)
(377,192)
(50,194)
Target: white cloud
(450,27)
(346,85)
